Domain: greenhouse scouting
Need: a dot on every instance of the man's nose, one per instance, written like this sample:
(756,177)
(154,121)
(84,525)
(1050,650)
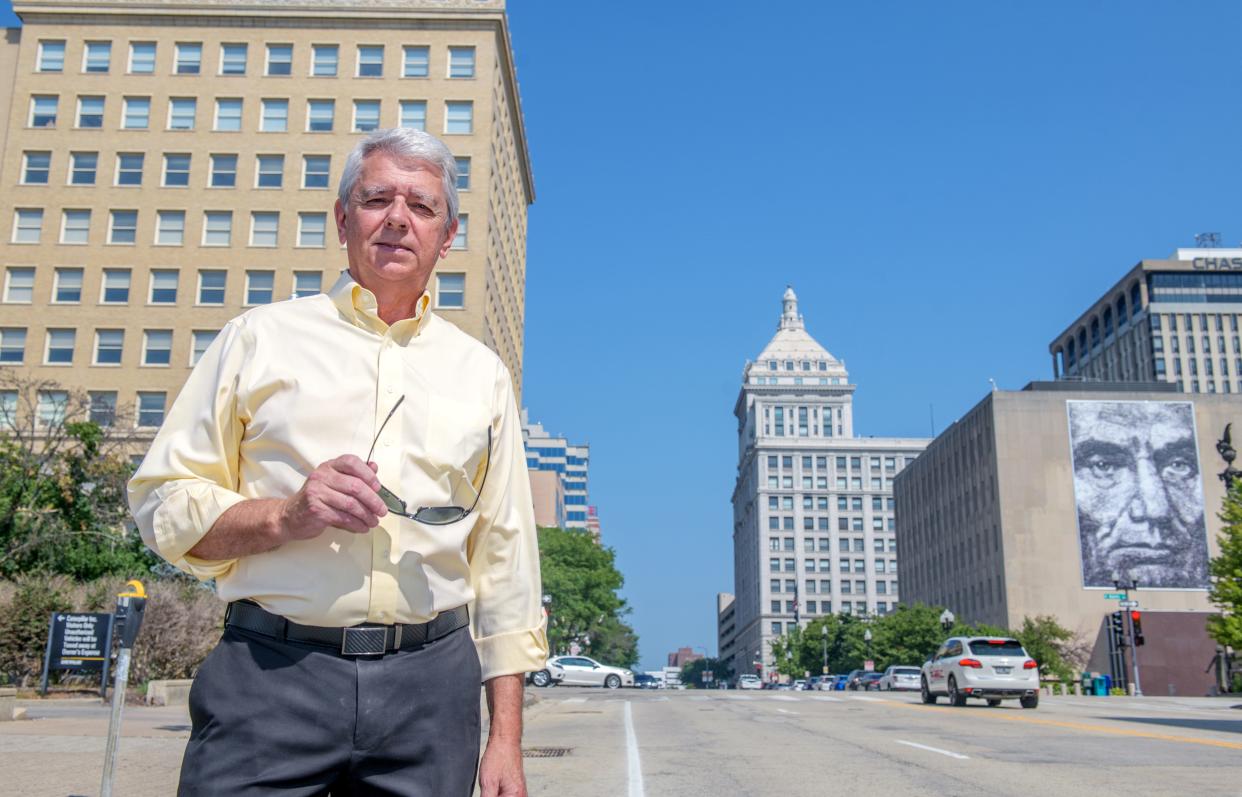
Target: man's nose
(1149,502)
(396,217)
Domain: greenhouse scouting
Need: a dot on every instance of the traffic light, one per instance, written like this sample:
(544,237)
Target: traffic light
(1117,628)
(1136,621)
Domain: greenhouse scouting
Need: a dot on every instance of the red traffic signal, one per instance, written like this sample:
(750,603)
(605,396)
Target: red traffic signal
(1136,622)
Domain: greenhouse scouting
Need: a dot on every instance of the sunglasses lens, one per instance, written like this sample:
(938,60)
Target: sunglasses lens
(439,515)
(391,501)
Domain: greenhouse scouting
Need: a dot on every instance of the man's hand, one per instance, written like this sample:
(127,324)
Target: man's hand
(341,492)
(500,770)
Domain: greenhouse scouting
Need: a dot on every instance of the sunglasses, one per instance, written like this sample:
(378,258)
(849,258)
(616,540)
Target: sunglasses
(429,515)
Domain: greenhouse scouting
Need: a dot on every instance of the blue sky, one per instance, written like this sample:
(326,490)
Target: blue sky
(945,185)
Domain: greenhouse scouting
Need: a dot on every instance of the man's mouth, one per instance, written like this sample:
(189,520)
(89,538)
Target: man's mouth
(392,247)
(1142,553)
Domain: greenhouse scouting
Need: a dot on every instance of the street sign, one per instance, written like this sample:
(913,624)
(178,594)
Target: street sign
(869,665)
(78,641)
(1114,596)
(1128,604)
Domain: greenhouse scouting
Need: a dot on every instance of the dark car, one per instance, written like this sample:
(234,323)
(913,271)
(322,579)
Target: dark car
(851,680)
(870,681)
(644,681)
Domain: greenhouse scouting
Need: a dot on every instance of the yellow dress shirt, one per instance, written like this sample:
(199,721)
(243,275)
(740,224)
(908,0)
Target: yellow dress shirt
(290,385)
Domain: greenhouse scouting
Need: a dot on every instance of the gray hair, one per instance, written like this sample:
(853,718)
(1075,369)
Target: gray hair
(403,143)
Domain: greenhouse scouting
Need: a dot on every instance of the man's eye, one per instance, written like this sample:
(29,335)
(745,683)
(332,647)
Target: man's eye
(1102,467)
(1179,467)
(375,202)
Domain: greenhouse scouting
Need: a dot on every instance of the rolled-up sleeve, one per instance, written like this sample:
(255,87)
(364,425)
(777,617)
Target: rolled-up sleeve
(189,476)
(503,552)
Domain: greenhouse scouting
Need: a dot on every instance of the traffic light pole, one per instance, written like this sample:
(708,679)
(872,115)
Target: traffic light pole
(1125,587)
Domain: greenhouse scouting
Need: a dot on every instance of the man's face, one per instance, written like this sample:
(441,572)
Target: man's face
(394,227)
(1137,484)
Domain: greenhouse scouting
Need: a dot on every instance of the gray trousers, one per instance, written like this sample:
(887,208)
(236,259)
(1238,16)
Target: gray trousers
(272,717)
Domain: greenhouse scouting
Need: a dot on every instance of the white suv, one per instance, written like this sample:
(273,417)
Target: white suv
(990,668)
(749,682)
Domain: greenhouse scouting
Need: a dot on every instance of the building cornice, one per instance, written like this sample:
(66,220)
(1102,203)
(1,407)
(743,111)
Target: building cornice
(264,7)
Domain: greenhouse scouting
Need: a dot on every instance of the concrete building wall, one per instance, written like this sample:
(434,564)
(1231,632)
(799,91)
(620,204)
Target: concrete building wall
(549,498)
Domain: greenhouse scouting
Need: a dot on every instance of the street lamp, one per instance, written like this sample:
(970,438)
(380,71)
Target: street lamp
(824,632)
(947,619)
(867,639)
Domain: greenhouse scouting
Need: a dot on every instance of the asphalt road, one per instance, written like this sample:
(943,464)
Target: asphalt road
(635,743)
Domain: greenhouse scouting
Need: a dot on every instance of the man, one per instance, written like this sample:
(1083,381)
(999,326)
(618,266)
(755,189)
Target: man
(345,665)
(1139,493)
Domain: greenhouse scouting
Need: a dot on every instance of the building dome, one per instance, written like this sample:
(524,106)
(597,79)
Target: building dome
(792,350)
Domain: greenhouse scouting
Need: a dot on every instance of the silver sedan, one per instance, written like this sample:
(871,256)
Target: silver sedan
(582,671)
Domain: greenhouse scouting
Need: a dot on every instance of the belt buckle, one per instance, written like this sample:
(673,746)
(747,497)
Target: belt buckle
(366,641)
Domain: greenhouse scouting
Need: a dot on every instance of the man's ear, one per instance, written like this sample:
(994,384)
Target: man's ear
(338,211)
(448,239)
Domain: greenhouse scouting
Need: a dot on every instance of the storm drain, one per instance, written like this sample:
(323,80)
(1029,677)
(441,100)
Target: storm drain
(545,752)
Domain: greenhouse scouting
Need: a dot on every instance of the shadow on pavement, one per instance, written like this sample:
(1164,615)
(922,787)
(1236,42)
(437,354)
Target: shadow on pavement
(1223,726)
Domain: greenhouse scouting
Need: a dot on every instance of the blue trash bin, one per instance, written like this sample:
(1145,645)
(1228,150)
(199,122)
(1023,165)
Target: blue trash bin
(1100,686)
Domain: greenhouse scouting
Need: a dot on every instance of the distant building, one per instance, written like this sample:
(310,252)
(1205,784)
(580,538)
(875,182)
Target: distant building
(1173,320)
(682,657)
(547,492)
(593,522)
(726,631)
(814,529)
(1031,502)
(571,462)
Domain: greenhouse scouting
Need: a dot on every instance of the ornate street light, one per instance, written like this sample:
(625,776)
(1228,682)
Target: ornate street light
(947,619)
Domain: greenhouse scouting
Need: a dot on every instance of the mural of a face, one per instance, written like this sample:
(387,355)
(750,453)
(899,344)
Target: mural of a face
(1139,493)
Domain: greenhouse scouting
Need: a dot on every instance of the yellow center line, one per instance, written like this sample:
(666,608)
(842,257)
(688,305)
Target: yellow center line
(1080,726)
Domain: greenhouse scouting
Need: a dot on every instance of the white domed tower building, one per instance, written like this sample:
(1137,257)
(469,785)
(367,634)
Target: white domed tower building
(813,511)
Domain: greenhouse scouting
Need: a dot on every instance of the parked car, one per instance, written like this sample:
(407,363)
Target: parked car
(582,671)
(870,682)
(749,682)
(644,681)
(820,683)
(990,668)
(899,677)
(851,680)
(838,682)
(551,674)
(799,685)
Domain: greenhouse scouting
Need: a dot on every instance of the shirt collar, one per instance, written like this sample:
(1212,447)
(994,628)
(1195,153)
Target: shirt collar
(359,306)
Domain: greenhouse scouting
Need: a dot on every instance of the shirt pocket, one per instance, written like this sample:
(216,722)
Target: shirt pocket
(457,433)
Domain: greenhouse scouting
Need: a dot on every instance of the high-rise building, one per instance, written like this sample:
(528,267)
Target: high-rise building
(571,462)
(166,166)
(1173,320)
(814,529)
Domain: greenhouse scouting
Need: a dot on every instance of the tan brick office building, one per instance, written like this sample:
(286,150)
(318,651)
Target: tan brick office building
(166,166)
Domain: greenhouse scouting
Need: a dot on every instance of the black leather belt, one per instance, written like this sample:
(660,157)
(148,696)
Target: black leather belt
(368,639)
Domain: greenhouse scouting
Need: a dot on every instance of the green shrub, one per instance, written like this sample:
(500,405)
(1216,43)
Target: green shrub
(25,607)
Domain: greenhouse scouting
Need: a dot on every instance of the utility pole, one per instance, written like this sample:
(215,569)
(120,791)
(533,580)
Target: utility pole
(1127,584)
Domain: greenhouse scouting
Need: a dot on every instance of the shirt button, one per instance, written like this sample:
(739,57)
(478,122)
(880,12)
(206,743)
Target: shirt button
(389,389)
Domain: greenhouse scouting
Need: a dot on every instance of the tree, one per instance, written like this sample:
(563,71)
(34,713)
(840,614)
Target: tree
(1226,571)
(581,578)
(63,506)
(692,672)
(1051,645)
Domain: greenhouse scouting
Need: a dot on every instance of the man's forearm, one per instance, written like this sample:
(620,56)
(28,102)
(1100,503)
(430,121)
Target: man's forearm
(245,528)
(504,705)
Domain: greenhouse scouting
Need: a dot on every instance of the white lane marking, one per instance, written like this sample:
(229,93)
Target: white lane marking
(575,700)
(827,699)
(631,748)
(783,697)
(740,697)
(933,749)
(699,697)
(784,711)
(871,699)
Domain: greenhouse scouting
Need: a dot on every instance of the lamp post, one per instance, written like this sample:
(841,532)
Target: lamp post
(824,632)
(867,638)
(947,619)
(1126,583)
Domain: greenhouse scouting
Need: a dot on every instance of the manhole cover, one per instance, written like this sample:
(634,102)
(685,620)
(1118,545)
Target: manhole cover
(544,752)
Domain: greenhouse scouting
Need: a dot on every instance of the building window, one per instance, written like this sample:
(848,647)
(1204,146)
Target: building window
(102,407)
(43,110)
(27,225)
(176,170)
(370,60)
(228,114)
(90,111)
(211,284)
(169,227)
(150,408)
(189,58)
(181,113)
(13,345)
(123,227)
(217,228)
(459,117)
(232,59)
(163,286)
(157,347)
(97,57)
(109,346)
(223,171)
(264,226)
(51,57)
(75,227)
(142,58)
(19,285)
(414,114)
(461,62)
(320,115)
(67,286)
(201,339)
(315,170)
(312,229)
(366,115)
(461,240)
(416,61)
(35,167)
(463,174)
(306,283)
(51,407)
(451,291)
(324,59)
(129,168)
(136,113)
(270,172)
(279,60)
(275,118)
(115,288)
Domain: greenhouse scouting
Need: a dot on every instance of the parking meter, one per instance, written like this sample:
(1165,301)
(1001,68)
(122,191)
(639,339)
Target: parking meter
(131,605)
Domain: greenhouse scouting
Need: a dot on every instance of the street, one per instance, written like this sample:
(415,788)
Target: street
(637,742)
